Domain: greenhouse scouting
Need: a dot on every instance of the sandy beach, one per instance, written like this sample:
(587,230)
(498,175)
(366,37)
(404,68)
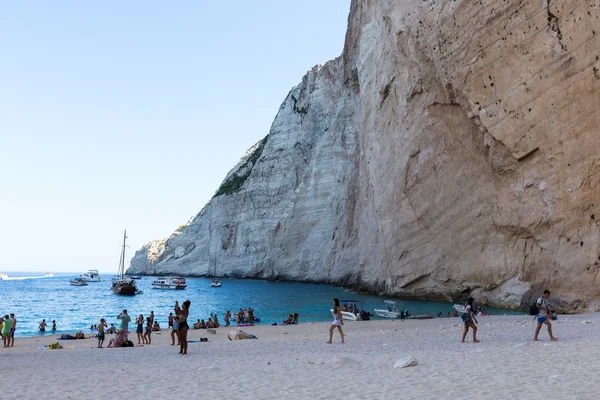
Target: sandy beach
(294,362)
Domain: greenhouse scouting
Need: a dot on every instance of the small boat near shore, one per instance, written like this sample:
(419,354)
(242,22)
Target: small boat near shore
(3,276)
(78,282)
(170,283)
(215,283)
(390,311)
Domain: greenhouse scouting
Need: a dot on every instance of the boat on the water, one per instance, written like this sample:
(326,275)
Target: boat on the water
(390,311)
(91,276)
(122,284)
(78,282)
(170,283)
(351,312)
(215,282)
(49,275)
(136,277)
(3,276)
(460,308)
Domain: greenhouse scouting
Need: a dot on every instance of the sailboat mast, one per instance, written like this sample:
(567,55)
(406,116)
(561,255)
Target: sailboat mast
(122,264)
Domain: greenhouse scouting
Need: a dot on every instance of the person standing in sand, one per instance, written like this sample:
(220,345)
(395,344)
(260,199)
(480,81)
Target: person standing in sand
(101,327)
(13,328)
(227,316)
(148,334)
(124,320)
(170,320)
(544,318)
(6,331)
(140,328)
(183,326)
(337,320)
(468,317)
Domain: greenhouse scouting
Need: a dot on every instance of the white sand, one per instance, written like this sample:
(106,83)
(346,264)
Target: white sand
(294,362)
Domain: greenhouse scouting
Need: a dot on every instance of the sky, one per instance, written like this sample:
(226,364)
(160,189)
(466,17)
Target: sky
(128,114)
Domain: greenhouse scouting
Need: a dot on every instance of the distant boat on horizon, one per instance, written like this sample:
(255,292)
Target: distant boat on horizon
(3,276)
(122,284)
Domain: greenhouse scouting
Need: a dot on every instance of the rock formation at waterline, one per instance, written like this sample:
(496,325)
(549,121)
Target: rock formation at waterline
(453,148)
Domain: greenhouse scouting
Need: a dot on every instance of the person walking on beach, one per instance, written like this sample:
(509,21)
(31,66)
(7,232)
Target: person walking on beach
(468,317)
(182,316)
(124,320)
(43,326)
(148,333)
(140,328)
(6,331)
(227,316)
(544,318)
(13,328)
(337,320)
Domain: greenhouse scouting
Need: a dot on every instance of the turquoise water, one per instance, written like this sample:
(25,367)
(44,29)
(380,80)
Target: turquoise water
(76,308)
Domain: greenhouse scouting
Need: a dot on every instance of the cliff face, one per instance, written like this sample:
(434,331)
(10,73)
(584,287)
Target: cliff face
(453,149)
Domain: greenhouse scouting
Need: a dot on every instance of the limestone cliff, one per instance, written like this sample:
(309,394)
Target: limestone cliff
(454,148)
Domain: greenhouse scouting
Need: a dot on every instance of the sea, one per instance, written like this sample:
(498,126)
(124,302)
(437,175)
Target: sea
(33,297)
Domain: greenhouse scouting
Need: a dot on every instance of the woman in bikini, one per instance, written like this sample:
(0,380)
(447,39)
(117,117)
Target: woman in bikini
(148,334)
(183,326)
(140,329)
(337,320)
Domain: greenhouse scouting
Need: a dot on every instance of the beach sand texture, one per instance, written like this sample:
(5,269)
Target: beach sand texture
(294,362)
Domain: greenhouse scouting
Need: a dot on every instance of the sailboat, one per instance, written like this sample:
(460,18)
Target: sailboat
(122,284)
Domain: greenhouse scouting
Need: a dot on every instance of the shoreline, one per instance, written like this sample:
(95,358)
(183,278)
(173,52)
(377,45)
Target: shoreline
(299,364)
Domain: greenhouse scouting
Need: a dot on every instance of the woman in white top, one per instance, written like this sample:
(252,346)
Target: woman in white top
(468,317)
(337,320)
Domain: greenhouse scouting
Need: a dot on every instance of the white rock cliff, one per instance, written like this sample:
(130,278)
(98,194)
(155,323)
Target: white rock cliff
(453,149)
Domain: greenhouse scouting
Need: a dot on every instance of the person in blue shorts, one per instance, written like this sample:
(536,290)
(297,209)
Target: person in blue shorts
(468,317)
(543,318)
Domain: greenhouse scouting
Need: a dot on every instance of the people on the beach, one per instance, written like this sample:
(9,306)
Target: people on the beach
(53,325)
(250,316)
(7,325)
(182,315)
(101,327)
(139,329)
(295,318)
(43,326)
(170,320)
(175,330)
(119,339)
(440,315)
(544,316)
(13,328)
(216,320)
(241,315)
(227,316)
(455,314)
(210,324)
(337,320)
(68,336)
(289,320)
(469,320)
(112,329)
(156,327)
(124,320)
(152,317)
(148,334)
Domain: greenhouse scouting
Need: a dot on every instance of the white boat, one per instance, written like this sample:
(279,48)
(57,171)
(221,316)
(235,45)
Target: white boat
(170,283)
(460,308)
(91,276)
(78,282)
(49,275)
(390,311)
(354,315)
(215,283)
(3,276)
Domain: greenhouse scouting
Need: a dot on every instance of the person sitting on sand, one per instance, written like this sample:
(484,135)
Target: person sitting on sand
(112,329)
(289,320)
(118,340)
(468,317)
(455,314)
(216,321)
(295,318)
(196,324)
(156,327)
(210,324)
(448,316)
(202,324)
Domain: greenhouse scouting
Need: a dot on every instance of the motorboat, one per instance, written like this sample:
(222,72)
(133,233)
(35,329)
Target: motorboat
(122,284)
(461,309)
(351,313)
(78,282)
(390,311)
(170,283)
(3,276)
(91,276)
(49,275)
(215,283)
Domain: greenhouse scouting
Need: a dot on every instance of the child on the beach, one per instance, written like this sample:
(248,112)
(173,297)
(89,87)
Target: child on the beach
(101,327)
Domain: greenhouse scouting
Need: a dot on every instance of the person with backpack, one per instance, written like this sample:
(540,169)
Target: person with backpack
(543,318)
(468,317)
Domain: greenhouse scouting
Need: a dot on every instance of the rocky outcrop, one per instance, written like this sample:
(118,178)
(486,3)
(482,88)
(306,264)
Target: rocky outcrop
(453,149)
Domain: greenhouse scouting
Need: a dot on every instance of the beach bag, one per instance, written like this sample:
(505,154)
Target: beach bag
(54,346)
(533,310)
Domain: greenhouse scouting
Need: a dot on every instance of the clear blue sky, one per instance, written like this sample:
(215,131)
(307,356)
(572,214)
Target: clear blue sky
(128,114)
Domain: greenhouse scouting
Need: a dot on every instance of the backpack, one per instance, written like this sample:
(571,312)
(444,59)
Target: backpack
(533,310)
(127,343)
